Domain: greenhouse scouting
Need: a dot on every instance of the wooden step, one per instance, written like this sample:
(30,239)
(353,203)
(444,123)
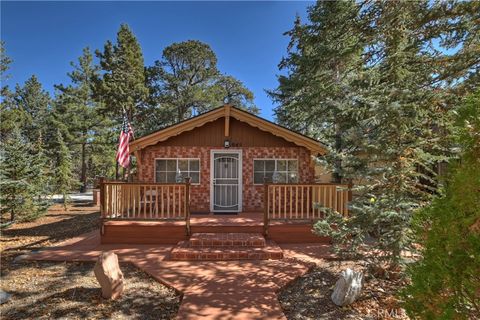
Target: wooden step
(183,251)
(226,228)
(227,240)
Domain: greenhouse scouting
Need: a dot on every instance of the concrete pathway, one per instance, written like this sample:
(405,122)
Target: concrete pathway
(212,289)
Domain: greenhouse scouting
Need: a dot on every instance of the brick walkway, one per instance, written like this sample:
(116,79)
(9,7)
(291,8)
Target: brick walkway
(211,289)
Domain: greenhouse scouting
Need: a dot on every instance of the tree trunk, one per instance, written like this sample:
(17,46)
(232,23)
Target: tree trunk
(12,213)
(337,177)
(83,177)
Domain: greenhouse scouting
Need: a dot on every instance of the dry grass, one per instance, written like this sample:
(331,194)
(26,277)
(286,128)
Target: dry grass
(51,290)
(308,297)
(47,290)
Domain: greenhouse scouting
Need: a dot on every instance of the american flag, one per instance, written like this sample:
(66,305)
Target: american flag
(123,152)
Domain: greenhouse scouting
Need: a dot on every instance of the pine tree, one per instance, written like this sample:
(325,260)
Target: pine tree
(186,82)
(230,90)
(20,175)
(86,128)
(24,168)
(5,62)
(393,114)
(33,106)
(323,63)
(8,114)
(122,84)
(63,179)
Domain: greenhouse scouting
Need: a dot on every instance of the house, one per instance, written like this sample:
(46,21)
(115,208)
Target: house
(223,171)
(228,153)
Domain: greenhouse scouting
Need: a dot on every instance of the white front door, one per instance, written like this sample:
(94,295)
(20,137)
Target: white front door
(226,181)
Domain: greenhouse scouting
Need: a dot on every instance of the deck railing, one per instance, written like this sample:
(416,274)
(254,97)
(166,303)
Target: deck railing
(158,201)
(304,201)
(145,201)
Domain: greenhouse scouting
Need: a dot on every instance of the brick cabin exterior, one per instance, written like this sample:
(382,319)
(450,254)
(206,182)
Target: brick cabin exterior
(200,193)
(198,141)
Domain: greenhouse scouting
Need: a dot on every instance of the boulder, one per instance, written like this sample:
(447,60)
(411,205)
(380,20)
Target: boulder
(108,273)
(348,287)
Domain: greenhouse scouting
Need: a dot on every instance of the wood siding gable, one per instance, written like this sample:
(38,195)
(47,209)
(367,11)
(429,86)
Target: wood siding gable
(238,126)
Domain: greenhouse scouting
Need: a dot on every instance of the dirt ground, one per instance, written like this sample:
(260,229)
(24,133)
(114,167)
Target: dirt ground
(52,290)
(308,297)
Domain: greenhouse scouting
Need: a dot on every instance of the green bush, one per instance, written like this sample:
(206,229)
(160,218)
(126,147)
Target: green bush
(445,283)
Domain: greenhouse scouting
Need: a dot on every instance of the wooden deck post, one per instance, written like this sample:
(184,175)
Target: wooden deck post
(101,181)
(187,204)
(265,208)
(350,195)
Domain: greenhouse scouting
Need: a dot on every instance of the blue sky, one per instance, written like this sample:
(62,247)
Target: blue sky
(43,37)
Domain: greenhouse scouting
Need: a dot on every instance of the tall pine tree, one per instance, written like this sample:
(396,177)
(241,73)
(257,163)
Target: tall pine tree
(323,65)
(62,173)
(21,172)
(186,82)
(393,114)
(33,105)
(122,84)
(86,129)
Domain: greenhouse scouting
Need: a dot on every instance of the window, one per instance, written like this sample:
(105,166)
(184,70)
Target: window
(166,170)
(286,170)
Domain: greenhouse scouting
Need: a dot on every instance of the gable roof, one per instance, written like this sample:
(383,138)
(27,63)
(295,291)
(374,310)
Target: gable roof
(228,111)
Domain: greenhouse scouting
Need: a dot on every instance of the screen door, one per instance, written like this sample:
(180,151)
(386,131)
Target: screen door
(226,181)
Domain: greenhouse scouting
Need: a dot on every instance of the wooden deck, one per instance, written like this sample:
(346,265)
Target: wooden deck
(159,213)
(171,232)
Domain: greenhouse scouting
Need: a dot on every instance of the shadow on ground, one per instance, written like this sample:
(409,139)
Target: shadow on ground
(70,291)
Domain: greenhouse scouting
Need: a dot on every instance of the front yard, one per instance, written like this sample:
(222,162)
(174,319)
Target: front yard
(308,297)
(45,290)
(69,290)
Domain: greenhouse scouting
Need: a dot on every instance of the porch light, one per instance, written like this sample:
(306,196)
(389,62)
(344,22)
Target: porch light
(226,143)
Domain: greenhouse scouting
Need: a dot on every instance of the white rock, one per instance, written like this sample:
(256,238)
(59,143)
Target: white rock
(348,287)
(108,273)
(20,258)
(4,296)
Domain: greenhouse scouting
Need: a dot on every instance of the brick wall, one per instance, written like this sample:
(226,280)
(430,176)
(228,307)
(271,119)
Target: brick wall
(200,194)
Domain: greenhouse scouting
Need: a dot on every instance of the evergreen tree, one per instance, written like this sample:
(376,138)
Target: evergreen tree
(33,106)
(185,82)
(122,84)
(394,118)
(20,174)
(323,64)
(445,282)
(86,129)
(8,114)
(63,179)
(230,90)
(5,62)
